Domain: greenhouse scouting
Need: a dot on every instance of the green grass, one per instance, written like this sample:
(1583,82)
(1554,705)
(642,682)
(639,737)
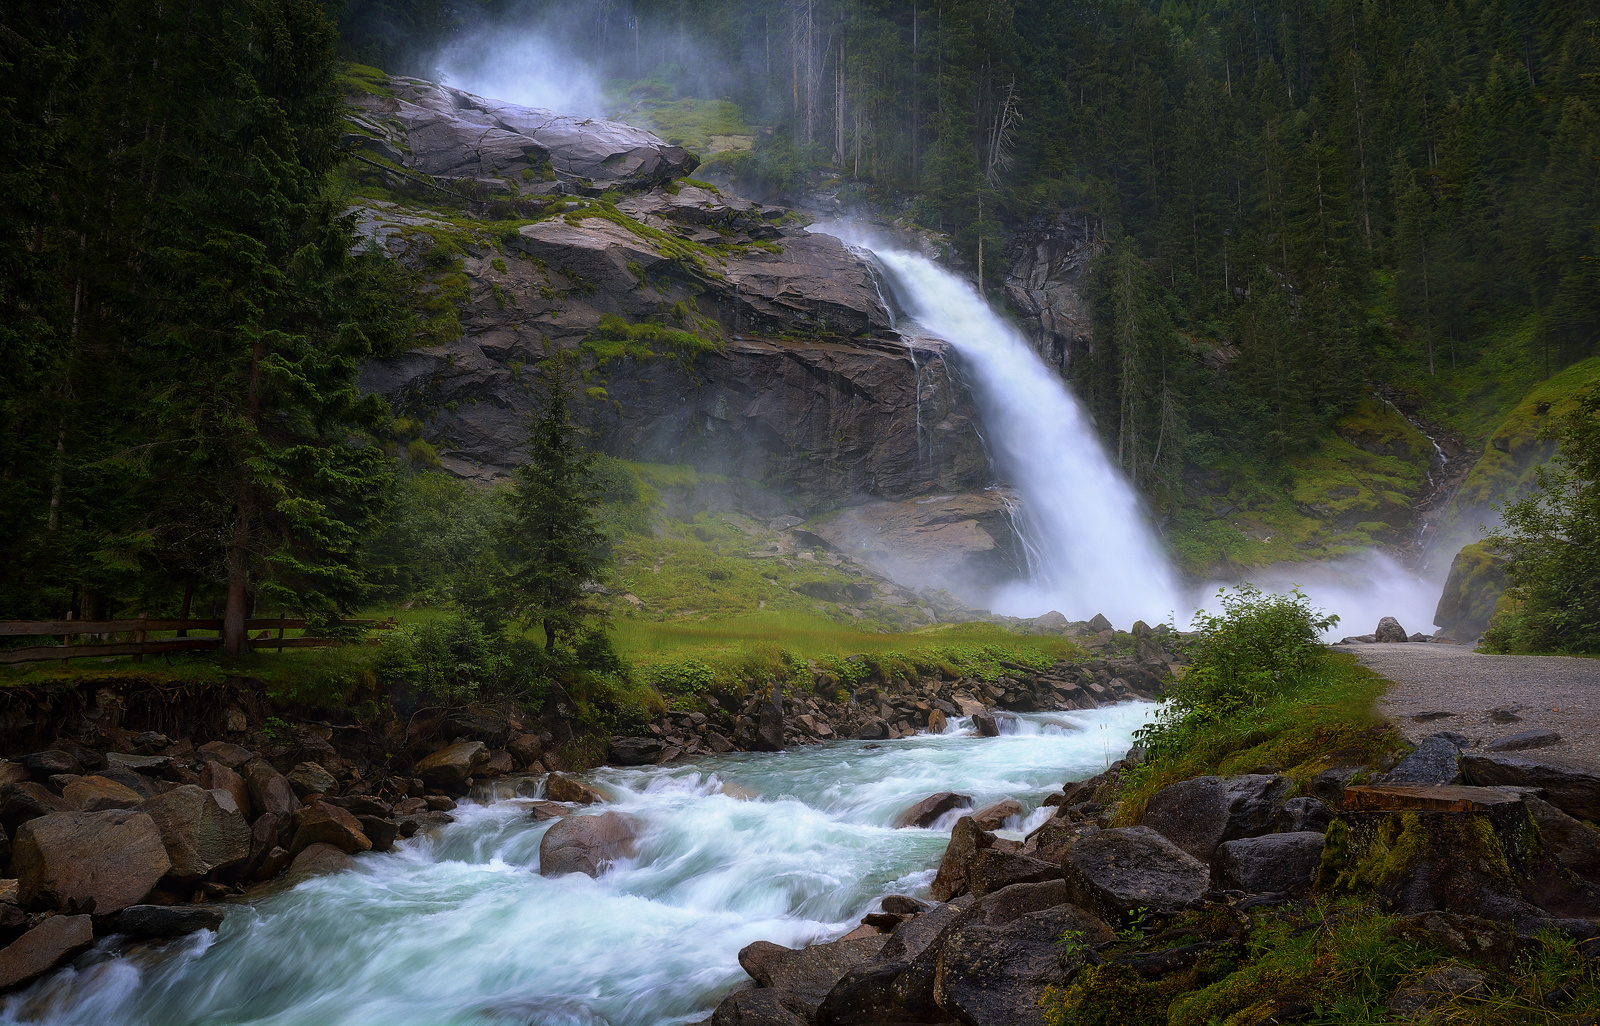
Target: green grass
(1326,717)
(691,123)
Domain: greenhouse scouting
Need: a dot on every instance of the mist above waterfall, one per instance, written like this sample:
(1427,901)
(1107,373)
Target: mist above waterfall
(1090,547)
(522,62)
(1360,590)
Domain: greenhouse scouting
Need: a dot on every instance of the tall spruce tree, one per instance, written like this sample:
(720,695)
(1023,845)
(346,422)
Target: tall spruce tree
(552,541)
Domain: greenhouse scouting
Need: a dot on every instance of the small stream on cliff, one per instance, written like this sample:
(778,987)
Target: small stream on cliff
(1090,544)
(462,929)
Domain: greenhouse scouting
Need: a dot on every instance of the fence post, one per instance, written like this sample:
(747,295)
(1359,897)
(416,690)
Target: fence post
(138,636)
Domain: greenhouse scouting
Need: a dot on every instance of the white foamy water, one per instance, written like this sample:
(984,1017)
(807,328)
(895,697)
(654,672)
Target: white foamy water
(1090,541)
(463,930)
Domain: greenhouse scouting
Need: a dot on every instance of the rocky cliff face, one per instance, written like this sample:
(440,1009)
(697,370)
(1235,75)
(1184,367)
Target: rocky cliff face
(1047,282)
(802,384)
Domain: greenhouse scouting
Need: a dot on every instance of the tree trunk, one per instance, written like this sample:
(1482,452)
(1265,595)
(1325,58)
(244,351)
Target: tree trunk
(235,639)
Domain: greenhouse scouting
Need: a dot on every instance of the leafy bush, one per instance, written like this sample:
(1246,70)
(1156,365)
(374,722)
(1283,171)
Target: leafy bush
(689,677)
(447,661)
(1245,658)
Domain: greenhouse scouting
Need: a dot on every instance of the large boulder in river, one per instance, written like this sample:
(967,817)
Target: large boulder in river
(967,839)
(996,975)
(806,974)
(68,859)
(1115,872)
(319,860)
(587,844)
(198,833)
(926,812)
(453,764)
(1200,813)
(44,947)
(769,722)
(160,921)
(558,788)
(636,751)
(321,823)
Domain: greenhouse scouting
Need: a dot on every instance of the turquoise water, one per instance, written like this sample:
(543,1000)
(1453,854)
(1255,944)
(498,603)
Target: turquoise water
(460,928)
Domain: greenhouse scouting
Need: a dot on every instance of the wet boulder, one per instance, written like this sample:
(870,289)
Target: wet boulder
(1390,631)
(806,974)
(52,942)
(198,833)
(984,723)
(995,975)
(155,921)
(966,840)
(1571,786)
(558,788)
(310,778)
(317,860)
(70,859)
(453,764)
(897,984)
(759,1007)
(587,844)
(769,722)
(1272,863)
(994,815)
(321,823)
(1114,872)
(96,794)
(269,790)
(636,751)
(993,869)
(218,776)
(26,800)
(1052,839)
(1200,813)
(926,812)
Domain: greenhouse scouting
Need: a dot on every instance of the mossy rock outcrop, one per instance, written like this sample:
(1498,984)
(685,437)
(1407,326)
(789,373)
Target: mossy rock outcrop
(1477,581)
(1469,850)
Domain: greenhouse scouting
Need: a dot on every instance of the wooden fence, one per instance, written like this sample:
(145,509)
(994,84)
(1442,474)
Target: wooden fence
(140,645)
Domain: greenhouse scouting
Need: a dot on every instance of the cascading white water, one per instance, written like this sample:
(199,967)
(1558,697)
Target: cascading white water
(462,929)
(1094,547)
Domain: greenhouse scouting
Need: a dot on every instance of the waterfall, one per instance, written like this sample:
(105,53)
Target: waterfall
(1095,549)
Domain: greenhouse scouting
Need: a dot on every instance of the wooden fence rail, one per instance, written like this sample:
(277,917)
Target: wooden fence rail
(141,646)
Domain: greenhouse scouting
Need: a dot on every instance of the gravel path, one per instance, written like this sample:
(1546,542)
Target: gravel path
(1540,691)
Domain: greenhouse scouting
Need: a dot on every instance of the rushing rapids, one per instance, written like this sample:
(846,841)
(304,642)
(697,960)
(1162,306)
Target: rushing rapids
(461,928)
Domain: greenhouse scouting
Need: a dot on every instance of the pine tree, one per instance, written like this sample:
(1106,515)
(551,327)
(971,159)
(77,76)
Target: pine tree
(553,542)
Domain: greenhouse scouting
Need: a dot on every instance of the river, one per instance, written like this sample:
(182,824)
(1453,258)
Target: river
(462,929)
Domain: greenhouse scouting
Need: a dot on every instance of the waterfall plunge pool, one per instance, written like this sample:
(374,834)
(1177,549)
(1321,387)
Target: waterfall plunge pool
(460,928)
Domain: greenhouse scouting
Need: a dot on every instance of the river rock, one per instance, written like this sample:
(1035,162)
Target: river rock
(984,723)
(1537,737)
(1484,940)
(46,764)
(996,975)
(380,831)
(198,833)
(525,749)
(68,859)
(453,764)
(321,823)
(163,766)
(44,947)
(1571,786)
(317,860)
(269,791)
(897,984)
(1273,863)
(806,974)
(1390,631)
(218,776)
(926,812)
(769,724)
(993,869)
(759,1007)
(1200,813)
(1052,839)
(1114,872)
(26,800)
(96,794)
(558,788)
(1435,760)
(587,844)
(994,815)
(149,921)
(636,751)
(230,755)
(966,840)
(310,778)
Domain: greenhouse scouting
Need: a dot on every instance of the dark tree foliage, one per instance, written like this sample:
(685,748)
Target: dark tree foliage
(1551,540)
(194,418)
(553,543)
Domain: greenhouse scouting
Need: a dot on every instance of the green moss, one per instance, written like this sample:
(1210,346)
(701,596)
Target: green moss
(360,78)
(691,122)
(615,339)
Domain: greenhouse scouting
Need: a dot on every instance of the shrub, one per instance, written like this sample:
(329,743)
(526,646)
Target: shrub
(689,677)
(1245,657)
